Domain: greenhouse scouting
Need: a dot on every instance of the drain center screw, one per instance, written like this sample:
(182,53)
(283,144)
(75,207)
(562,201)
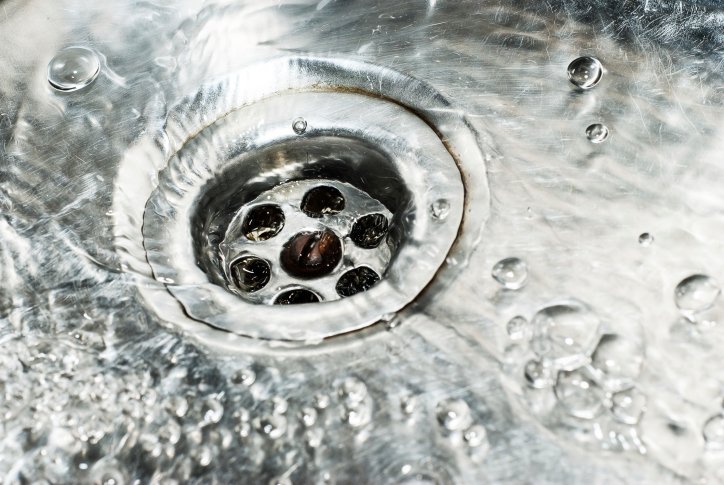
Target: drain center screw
(312,254)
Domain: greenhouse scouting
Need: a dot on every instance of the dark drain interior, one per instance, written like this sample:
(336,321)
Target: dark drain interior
(304,221)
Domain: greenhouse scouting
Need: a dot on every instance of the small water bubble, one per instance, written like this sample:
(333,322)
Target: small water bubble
(566,332)
(714,432)
(246,377)
(579,395)
(511,273)
(696,293)
(408,404)
(177,405)
(314,437)
(280,405)
(597,133)
(453,414)
(321,401)
(212,410)
(352,390)
(440,209)
(309,416)
(585,72)
(537,375)
(204,455)
(518,328)
(358,415)
(73,68)
(646,239)
(475,435)
(299,125)
(274,425)
(628,406)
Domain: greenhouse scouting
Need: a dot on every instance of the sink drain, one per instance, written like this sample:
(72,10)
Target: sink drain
(319,237)
(266,230)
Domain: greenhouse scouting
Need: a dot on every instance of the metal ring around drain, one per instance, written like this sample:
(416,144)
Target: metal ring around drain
(224,126)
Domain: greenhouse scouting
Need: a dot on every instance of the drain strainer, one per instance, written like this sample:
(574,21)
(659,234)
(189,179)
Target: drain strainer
(300,215)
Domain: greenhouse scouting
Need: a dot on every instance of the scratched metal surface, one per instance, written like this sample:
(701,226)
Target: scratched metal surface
(97,386)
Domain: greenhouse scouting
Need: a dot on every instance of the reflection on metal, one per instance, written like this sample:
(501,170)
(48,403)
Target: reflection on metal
(589,353)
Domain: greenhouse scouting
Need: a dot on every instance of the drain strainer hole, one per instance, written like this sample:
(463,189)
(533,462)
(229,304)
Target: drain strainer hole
(263,222)
(322,200)
(356,281)
(312,254)
(296,296)
(369,231)
(250,274)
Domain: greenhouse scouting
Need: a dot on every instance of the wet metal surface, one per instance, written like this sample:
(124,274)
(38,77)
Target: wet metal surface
(572,332)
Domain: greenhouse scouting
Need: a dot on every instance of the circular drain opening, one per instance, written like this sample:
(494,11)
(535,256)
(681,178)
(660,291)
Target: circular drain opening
(247,215)
(236,166)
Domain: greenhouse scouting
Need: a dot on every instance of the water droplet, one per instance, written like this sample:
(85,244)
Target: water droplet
(579,395)
(585,72)
(299,125)
(279,405)
(475,435)
(628,406)
(246,377)
(511,273)
(312,254)
(537,375)
(369,231)
(714,432)
(696,293)
(321,401)
(408,404)
(73,68)
(597,133)
(356,281)
(358,415)
(453,414)
(440,209)
(212,410)
(273,425)
(309,416)
(617,361)
(646,239)
(314,437)
(352,390)
(518,328)
(566,332)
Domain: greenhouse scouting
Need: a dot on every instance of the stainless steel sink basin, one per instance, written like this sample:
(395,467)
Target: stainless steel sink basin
(347,241)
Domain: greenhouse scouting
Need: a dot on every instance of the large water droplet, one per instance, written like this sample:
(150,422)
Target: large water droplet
(696,293)
(453,414)
(565,333)
(597,133)
(579,395)
(272,425)
(628,406)
(73,68)
(511,273)
(714,432)
(617,361)
(585,72)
